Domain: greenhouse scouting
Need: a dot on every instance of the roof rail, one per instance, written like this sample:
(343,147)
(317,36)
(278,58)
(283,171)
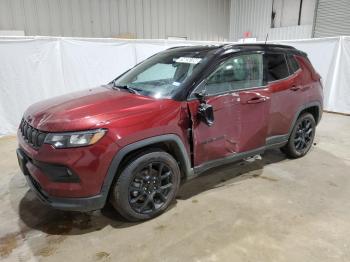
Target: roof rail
(264,45)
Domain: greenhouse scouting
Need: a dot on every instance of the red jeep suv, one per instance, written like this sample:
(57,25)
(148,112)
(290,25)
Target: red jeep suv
(171,117)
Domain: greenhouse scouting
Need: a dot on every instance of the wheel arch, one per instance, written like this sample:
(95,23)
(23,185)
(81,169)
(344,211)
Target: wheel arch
(314,111)
(170,143)
(314,108)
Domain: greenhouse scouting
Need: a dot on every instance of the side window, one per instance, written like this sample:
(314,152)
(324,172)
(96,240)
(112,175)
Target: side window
(239,72)
(276,67)
(293,64)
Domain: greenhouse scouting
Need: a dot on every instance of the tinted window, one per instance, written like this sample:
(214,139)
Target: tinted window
(164,74)
(277,67)
(240,72)
(293,64)
(156,72)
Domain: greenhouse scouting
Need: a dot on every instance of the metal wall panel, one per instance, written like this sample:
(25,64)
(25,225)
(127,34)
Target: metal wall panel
(290,32)
(255,16)
(194,19)
(332,18)
(250,15)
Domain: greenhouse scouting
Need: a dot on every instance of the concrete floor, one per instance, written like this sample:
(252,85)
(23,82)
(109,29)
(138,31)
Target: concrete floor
(270,210)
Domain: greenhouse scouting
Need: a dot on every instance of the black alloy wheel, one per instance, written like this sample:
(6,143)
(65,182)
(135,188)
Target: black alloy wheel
(301,137)
(146,186)
(150,188)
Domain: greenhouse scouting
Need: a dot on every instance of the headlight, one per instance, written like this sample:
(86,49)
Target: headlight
(75,139)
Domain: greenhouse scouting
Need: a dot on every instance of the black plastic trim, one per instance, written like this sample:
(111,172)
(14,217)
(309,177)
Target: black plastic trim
(57,173)
(278,139)
(113,168)
(74,204)
(302,108)
(235,157)
(226,160)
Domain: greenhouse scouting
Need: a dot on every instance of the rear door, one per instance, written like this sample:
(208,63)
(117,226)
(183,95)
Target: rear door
(240,101)
(285,82)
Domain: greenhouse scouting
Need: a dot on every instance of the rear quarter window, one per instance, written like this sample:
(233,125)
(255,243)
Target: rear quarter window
(293,63)
(276,67)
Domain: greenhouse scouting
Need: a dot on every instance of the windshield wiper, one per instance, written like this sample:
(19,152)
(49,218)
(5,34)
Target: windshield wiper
(126,87)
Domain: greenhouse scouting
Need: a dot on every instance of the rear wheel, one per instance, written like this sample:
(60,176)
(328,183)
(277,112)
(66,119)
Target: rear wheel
(302,137)
(146,186)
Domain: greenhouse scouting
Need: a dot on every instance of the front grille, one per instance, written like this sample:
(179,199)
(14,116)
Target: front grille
(31,135)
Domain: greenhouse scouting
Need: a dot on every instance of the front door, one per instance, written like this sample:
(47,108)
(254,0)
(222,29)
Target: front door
(240,101)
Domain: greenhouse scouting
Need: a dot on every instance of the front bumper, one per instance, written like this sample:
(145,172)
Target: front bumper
(73,203)
(86,167)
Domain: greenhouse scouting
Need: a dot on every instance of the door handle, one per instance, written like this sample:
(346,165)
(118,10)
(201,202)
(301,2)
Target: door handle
(256,100)
(295,88)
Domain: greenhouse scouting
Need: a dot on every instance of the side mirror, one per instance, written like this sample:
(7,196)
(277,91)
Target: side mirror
(206,113)
(201,96)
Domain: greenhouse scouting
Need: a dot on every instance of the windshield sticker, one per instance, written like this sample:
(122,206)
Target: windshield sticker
(176,83)
(188,60)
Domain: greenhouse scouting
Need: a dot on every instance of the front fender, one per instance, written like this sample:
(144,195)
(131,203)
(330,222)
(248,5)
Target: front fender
(118,158)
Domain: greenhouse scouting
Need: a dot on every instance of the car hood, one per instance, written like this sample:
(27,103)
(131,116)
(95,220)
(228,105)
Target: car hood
(87,109)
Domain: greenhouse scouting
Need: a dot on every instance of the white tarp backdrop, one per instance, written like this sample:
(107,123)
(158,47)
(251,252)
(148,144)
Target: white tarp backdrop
(36,68)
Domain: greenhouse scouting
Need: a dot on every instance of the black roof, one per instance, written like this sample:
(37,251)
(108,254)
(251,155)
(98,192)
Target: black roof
(195,48)
(239,47)
(260,46)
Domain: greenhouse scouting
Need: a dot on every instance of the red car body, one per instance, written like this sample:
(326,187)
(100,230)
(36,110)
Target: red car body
(260,119)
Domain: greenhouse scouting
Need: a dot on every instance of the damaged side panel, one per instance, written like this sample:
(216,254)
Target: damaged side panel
(220,139)
(240,125)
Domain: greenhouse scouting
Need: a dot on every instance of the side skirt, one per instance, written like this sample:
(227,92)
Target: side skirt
(271,143)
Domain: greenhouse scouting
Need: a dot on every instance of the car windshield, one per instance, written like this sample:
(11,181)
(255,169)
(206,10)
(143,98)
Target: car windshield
(163,74)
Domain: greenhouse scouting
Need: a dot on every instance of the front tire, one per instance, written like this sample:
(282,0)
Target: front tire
(146,186)
(302,137)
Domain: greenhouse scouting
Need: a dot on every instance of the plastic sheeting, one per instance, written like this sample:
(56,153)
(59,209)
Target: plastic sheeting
(331,59)
(32,69)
